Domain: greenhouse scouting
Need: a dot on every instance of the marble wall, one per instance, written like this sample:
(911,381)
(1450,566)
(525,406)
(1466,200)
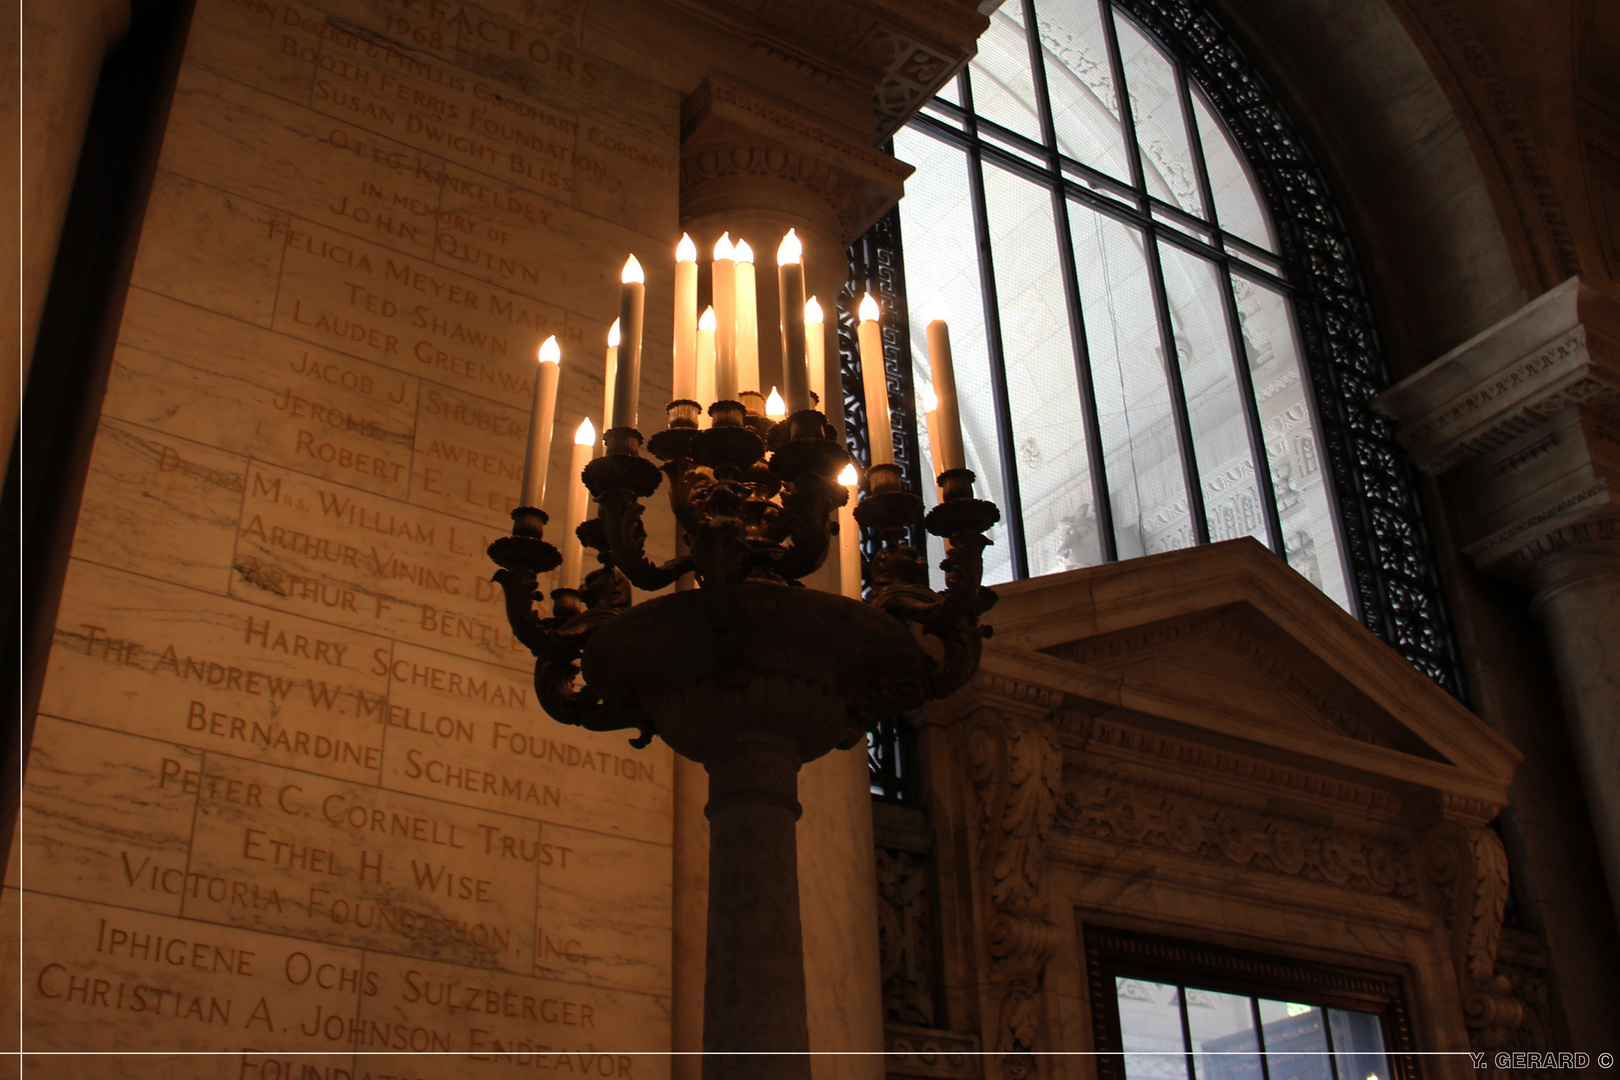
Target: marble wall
(290,795)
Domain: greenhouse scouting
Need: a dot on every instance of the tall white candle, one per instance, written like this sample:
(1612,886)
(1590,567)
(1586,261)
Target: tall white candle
(849,539)
(930,411)
(705,363)
(684,383)
(538,458)
(610,374)
(875,382)
(815,349)
(627,378)
(747,319)
(724,287)
(578,499)
(790,291)
(951,454)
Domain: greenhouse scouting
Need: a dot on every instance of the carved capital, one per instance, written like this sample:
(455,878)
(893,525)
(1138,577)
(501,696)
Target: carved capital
(1468,873)
(740,151)
(1016,766)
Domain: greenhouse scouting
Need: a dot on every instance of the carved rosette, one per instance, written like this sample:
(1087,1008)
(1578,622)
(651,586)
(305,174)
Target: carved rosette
(1468,870)
(1016,766)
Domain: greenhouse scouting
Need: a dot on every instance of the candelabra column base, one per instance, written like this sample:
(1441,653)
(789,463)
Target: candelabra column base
(754,995)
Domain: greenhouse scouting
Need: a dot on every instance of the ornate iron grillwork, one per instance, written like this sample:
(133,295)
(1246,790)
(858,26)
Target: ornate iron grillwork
(1392,571)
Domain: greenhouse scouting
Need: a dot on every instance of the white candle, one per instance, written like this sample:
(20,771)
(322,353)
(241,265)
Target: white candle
(875,383)
(849,539)
(705,363)
(951,454)
(578,500)
(930,410)
(684,382)
(627,377)
(747,319)
(815,349)
(724,287)
(790,290)
(609,375)
(538,458)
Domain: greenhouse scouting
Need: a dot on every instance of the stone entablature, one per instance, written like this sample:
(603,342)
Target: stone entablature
(1202,745)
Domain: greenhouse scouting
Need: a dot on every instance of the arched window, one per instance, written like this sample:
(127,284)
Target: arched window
(1161,335)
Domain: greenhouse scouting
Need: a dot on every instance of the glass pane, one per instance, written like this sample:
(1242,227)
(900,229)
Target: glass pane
(1146,487)
(1358,1045)
(1003,88)
(1150,1030)
(1161,132)
(1223,1040)
(950,92)
(1220,431)
(1295,1043)
(1237,199)
(942,268)
(1085,110)
(1293,451)
(1042,388)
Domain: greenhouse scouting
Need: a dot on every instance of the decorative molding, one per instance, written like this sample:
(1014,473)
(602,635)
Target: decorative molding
(1468,872)
(1100,803)
(1016,768)
(906,931)
(1488,550)
(916,1051)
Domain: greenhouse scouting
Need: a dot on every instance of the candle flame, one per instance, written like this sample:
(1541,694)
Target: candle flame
(848,477)
(685,251)
(706,321)
(743,253)
(632,272)
(613,335)
(585,434)
(930,399)
(812,311)
(775,407)
(723,248)
(549,352)
(869,310)
(791,251)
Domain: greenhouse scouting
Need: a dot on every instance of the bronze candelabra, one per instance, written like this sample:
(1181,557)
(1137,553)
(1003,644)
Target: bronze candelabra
(750,673)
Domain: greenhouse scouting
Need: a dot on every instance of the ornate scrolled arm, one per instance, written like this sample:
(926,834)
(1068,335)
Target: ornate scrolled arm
(627,542)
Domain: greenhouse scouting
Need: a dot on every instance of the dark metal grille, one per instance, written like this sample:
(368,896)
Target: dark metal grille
(1394,588)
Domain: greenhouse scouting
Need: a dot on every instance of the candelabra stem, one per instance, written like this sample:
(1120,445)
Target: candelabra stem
(754,997)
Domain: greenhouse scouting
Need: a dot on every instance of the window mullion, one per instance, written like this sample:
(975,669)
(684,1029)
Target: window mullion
(1251,416)
(1195,146)
(1327,1040)
(1178,390)
(1080,345)
(1122,97)
(1260,1039)
(1013,513)
(1186,1035)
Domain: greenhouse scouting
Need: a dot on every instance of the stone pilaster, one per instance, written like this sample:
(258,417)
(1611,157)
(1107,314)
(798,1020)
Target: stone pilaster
(1523,422)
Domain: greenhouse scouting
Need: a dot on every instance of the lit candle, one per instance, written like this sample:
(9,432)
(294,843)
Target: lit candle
(815,351)
(724,287)
(930,404)
(611,372)
(705,362)
(849,539)
(578,499)
(775,407)
(747,319)
(538,458)
(685,345)
(875,383)
(790,284)
(951,455)
(627,376)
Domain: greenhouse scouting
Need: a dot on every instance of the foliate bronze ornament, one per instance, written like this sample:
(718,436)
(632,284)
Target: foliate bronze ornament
(756,505)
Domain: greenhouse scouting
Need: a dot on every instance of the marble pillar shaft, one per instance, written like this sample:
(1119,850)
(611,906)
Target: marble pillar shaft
(1577,601)
(754,996)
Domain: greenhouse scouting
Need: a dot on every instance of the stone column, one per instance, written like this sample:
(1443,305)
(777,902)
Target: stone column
(754,169)
(753,994)
(63,45)
(1523,423)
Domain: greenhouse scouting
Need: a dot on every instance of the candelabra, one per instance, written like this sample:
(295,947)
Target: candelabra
(750,673)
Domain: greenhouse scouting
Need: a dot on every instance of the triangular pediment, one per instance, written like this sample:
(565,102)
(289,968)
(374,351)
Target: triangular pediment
(1226,644)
